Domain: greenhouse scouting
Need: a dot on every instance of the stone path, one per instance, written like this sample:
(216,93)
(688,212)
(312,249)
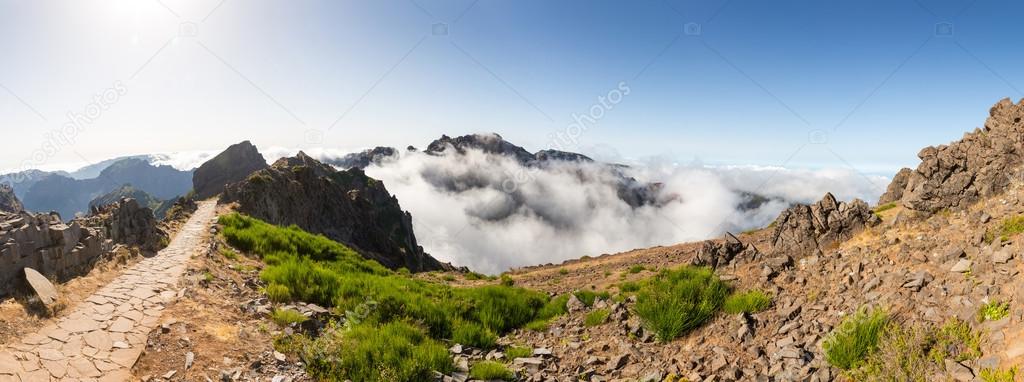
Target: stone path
(103,336)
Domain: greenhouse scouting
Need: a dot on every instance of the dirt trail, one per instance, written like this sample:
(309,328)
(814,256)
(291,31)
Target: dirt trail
(103,336)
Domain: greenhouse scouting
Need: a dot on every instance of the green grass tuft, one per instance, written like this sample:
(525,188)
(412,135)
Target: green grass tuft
(597,317)
(885,207)
(473,334)
(855,339)
(1008,228)
(993,311)
(996,375)
(747,302)
(677,301)
(285,317)
(637,269)
(391,352)
(489,371)
(514,352)
(588,298)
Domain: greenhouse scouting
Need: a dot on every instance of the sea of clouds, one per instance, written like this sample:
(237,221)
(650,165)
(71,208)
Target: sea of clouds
(491,213)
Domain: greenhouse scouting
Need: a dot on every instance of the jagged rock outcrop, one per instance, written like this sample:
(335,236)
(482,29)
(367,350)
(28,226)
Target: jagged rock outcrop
(45,243)
(230,166)
(556,155)
(346,206)
(129,223)
(804,230)
(363,159)
(714,254)
(8,201)
(894,192)
(979,165)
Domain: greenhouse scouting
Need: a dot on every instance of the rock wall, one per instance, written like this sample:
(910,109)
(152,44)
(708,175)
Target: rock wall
(44,243)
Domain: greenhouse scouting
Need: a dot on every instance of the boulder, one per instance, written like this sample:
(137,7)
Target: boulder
(714,254)
(233,165)
(804,230)
(42,286)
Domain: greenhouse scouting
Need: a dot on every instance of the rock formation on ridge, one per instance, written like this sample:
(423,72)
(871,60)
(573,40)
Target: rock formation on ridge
(232,165)
(805,230)
(346,206)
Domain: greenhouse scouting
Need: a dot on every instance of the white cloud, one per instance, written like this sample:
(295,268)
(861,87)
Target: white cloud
(463,214)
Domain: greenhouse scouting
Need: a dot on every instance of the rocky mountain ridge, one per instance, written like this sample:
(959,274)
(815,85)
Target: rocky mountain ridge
(346,206)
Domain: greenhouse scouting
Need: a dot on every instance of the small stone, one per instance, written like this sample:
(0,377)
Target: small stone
(170,374)
(190,358)
(962,266)
(280,357)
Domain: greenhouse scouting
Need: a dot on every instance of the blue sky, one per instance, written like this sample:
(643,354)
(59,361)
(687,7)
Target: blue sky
(861,84)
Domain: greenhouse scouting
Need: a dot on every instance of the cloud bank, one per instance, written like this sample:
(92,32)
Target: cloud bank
(491,213)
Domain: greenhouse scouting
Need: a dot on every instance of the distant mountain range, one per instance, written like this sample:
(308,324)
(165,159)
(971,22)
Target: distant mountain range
(70,194)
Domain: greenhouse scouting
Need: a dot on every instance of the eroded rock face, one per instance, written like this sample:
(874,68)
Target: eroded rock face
(364,159)
(126,222)
(979,165)
(803,230)
(8,201)
(230,166)
(346,206)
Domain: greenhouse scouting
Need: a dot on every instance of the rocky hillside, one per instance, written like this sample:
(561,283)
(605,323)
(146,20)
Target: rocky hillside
(230,166)
(70,197)
(8,201)
(346,206)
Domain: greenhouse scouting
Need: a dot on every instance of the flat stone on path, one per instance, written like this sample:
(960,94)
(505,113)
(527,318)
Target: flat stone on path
(44,289)
(103,336)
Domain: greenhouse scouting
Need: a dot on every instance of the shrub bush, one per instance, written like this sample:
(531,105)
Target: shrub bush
(902,355)
(748,302)
(278,293)
(490,371)
(636,269)
(856,337)
(996,375)
(956,340)
(677,301)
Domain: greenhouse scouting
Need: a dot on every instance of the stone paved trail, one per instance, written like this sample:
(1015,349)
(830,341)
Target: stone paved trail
(103,336)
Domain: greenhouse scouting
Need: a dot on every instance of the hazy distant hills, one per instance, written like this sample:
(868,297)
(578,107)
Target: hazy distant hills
(67,195)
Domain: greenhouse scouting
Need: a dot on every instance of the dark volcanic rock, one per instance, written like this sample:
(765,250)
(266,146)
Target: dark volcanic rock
(8,201)
(346,206)
(714,254)
(488,143)
(803,229)
(979,165)
(230,166)
(895,190)
(363,159)
(555,155)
